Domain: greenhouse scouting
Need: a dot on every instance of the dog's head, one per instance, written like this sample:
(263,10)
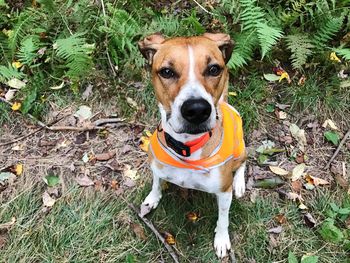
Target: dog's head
(189,75)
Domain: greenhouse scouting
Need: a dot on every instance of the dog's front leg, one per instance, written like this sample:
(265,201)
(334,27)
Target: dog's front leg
(152,200)
(222,239)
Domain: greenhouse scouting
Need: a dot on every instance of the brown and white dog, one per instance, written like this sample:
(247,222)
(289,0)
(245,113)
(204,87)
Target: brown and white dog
(190,80)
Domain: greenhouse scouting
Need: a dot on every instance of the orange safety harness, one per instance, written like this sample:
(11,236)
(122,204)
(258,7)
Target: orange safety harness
(232,145)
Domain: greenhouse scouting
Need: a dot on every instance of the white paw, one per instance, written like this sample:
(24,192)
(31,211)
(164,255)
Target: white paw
(222,243)
(151,202)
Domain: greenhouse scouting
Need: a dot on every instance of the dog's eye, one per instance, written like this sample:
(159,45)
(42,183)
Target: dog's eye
(214,70)
(167,73)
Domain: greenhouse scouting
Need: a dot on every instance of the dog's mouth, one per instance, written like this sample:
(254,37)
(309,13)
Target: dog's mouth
(189,128)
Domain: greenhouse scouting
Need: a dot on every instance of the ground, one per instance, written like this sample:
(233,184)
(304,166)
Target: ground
(94,223)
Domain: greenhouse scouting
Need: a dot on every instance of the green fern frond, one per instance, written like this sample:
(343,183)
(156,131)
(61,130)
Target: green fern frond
(301,47)
(268,36)
(344,52)
(28,50)
(76,52)
(243,50)
(327,31)
(8,73)
(251,14)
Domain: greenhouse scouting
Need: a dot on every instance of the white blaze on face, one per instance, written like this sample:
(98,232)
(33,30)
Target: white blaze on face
(192,89)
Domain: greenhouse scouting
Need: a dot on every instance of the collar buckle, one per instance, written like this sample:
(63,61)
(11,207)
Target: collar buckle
(177,146)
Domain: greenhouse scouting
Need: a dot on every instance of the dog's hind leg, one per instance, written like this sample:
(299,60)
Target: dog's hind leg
(153,198)
(222,239)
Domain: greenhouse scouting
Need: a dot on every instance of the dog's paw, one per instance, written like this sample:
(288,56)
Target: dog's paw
(151,202)
(222,243)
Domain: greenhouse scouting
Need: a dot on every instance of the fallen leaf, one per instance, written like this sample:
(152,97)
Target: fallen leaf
(7,225)
(309,220)
(232,93)
(271,77)
(10,94)
(302,206)
(17,64)
(138,230)
(83,113)
(285,75)
(301,81)
(114,185)
(192,217)
(58,87)
(128,182)
(7,176)
(84,181)
(18,169)
(299,135)
(131,102)
(48,201)
(51,180)
(132,174)
(145,141)
(331,124)
(298,171)
(332,137)
(281,218)
(85,158)
(105,156)
(277,170)
(265,146)
(269,183)
(16,106)
(309,259)
(169,238)
(282,115)
(294,196)
(315,180)
(16,83)
(275,230)
(282,106)
(297,185)
(334,57)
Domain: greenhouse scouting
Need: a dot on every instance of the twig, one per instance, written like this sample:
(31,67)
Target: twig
(106,40)
(338,149)
(205,10)
(156,232)
(107,120)
(72,128)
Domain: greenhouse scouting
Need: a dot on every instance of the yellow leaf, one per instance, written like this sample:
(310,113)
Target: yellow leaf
(16,106)
(192,217)
(285,75)
(277,170)
(333,57)
(169,238)
(17,64)
(145,140)
(232,93)
(19,169)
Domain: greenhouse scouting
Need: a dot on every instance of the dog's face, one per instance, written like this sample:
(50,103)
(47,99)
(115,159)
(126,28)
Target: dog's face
(189,76)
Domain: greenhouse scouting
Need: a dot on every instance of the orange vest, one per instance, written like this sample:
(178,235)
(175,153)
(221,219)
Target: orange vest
(232,145)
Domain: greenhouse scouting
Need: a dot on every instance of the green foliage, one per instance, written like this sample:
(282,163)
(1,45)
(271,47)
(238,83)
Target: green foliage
(327,31)
(268,36)
(28,50)
(301,48)
(8,73)
(344,52)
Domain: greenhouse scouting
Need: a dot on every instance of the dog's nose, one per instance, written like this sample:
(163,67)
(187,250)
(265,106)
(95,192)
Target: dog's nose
(196,111)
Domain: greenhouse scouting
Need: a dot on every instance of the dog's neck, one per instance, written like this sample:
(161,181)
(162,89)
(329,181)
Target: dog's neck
(207,150)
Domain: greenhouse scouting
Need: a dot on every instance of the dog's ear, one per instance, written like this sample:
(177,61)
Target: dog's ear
(224,42)
(149,46)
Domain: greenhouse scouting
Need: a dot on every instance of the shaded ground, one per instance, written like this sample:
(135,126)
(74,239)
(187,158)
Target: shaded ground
(93,223)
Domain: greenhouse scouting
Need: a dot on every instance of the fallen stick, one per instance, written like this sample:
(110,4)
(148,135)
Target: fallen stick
(156,232)
(338,149)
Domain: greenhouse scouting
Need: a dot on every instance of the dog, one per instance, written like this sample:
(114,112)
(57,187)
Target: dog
(199,141)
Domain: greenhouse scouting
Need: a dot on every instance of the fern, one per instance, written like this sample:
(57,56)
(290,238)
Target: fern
(251,14)
(344,52)
(28,50)
(8,73)
(301,47)
(327,31)
(76,52)
(243,50)
(268,36)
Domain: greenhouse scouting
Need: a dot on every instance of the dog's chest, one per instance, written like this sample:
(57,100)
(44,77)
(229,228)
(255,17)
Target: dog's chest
(192,179)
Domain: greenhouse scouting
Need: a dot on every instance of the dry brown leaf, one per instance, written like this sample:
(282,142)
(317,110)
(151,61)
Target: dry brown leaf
(132,174)
(315,180)
(297,186)
(281,218)
(169,238)
(279,171)
(299,135)
(298,171)
(7,225)
(105,156)
(48,201)
(84,181)
(114,185)
(294,196)
(138,230)
(331,124)
(192,217)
